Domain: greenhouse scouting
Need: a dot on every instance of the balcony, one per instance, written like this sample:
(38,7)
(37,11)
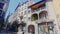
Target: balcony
(39,9)
(41,17)
(44,20)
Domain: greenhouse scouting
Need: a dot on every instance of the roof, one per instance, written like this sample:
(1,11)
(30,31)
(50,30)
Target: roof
(37,5)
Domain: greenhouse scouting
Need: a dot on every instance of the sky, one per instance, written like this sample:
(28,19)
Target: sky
(13,4)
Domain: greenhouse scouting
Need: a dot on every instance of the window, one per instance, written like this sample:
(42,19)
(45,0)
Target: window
(24,17)
(29,11)
(34,17)
(31,29)
(43,29)
(24,12)
(1,5)
(43,14)
(29,18)
(21,13)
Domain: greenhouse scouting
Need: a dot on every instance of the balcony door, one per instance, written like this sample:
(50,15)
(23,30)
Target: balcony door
(45,28)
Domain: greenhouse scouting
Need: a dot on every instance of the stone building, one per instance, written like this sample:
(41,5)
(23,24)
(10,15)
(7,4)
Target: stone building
(40,18)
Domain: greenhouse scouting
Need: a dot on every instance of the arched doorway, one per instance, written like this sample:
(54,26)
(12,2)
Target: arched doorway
(43,14)
(31,29)
(34,17)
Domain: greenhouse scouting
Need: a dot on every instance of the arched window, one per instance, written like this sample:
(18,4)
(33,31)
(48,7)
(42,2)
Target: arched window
(43,14)
(31,29)
(34,17)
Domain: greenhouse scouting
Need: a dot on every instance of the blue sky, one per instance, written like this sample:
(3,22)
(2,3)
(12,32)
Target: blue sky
(13,4)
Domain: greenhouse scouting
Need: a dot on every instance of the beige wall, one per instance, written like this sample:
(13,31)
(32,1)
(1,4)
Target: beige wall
(57,7)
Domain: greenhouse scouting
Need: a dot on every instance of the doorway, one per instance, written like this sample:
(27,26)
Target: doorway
(31,29)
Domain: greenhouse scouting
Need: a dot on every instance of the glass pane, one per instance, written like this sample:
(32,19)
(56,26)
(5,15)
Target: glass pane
(51,30)
(42,29)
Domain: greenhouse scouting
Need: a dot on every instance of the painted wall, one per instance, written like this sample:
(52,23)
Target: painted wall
(57,10)
(57,7)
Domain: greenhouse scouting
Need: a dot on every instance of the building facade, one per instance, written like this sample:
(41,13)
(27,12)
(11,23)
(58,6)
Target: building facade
(40,18)
(3,8)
